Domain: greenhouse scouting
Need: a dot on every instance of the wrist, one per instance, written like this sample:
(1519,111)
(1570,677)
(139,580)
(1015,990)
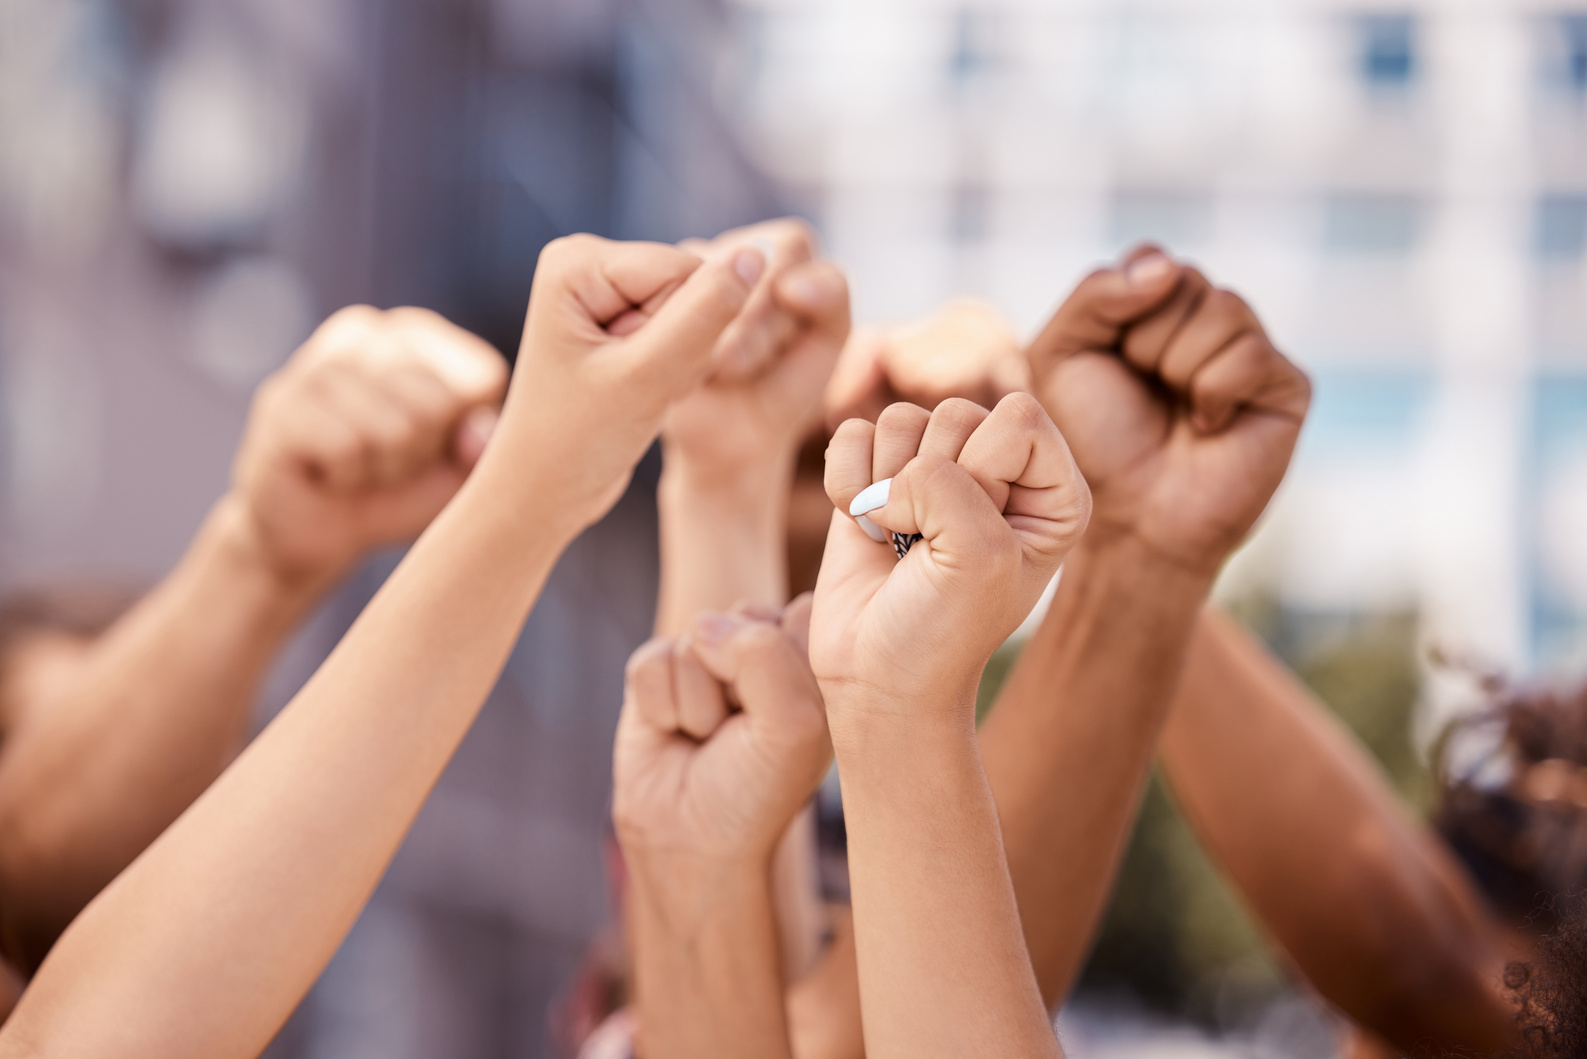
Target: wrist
(743,481)
(680,891)
(1137,573)
(235,544)
(874,726)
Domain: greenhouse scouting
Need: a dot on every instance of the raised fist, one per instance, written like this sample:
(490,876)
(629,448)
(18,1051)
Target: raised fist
(722,737)
(616,332)
(1179,410)
(998,503)
(363,436)
(772,362)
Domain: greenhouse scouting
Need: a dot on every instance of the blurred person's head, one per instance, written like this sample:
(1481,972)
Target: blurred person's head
(45,635)
(1517,816)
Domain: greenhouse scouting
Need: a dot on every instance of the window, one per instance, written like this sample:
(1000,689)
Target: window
(972,51)
(1563,60)
(1387,50)
(1378,224)
(1561,232)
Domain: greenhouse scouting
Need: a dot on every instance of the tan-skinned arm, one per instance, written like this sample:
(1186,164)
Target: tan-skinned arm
(1068,744)
(205,944)
(1180,468)
(1367,904)
(162,699)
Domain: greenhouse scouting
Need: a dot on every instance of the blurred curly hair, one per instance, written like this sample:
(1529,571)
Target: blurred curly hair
(1519,819)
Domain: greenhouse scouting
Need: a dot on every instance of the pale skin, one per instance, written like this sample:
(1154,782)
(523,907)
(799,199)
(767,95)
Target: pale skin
(722,740)
(355,443)
(898,647)
(206,943)
(728,453)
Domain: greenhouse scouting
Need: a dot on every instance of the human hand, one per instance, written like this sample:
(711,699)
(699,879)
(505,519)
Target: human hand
(615,333)
(363,436)
(772,362)
(1179,410)
(964,349)
(999,503)
(722,738)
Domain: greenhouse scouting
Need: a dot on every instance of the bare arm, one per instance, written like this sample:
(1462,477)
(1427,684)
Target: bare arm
(1068,743)
(163,698)
(728,462)
(1182,417)
(899,645)
(207,942)
(1369,906)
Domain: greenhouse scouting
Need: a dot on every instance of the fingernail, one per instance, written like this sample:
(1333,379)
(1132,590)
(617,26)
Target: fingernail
(871,497)
(763,244)
(713,628)
(749,264)
(1151,267)
(812,288)
(872,530)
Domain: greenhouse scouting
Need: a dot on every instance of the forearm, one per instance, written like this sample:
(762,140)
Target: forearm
(943,968)
(159,709)
(706,961)
(1069,741)
(1369,905)
(209,940)
(723,539)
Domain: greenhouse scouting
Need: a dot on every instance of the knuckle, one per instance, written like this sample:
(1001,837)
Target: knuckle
(958,410)
(899,414)
(760,639)
(646,661)
(1025,410)
(562,251)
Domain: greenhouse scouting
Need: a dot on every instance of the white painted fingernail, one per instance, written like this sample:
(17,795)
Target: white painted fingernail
(872,530)
(871,497)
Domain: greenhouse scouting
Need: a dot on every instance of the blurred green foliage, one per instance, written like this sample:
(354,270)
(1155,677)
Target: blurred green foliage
(1175,934)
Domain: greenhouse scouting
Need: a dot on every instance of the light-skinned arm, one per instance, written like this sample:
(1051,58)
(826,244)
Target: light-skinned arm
(728,448)
(402,400)
(898,646)
(1366,903)
(728,453)
(206,943)
(1182,416)
(722,740)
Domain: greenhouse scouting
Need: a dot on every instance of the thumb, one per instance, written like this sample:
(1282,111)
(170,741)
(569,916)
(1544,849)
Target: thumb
(673,348)
(1105,303)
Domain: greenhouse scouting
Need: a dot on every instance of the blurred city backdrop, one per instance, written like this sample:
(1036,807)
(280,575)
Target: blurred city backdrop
(188,186)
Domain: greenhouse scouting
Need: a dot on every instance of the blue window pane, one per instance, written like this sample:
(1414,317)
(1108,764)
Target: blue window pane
(1387,49)
(972,46)
(1561,226)
(1372,224)
(1364,412)
(1572,30)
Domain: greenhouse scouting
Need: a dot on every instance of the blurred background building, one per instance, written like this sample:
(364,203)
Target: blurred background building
(187,186)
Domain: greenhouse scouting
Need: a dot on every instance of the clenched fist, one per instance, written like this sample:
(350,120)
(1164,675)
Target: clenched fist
(364,436)
(998,503)
(1178,408)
